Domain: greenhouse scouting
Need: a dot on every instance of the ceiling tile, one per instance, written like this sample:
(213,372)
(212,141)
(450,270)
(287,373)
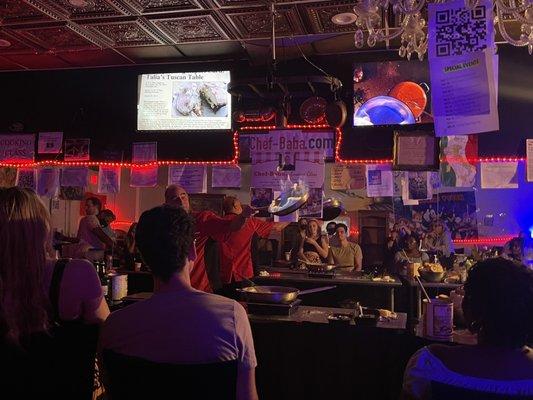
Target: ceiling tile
(162,6)
(126,33)
(254,23)
(92,9)
(17,11)
(15,46)
(200,28)
(146,53)
(55,37)
(221,49)
(320,15)
(40,61)
(93,58)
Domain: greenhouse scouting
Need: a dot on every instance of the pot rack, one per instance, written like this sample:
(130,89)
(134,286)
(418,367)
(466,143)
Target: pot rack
(275,88)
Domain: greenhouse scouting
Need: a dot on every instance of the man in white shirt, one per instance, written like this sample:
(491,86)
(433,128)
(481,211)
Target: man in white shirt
(179,324)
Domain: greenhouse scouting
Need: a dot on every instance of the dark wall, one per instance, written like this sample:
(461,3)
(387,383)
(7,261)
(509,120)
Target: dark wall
(101,104)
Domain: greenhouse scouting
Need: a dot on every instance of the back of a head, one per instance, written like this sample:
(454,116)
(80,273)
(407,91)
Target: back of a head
(164,236)
(228,204)
(498,302)
(24,232)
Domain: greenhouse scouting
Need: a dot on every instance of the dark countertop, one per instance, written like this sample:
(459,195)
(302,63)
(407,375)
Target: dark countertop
(341,277)
(319,315)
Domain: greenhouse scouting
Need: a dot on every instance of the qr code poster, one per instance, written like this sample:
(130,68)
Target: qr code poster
(26,178)
(455,30)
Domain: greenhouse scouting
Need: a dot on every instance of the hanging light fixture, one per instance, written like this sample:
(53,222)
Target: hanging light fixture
(412,29)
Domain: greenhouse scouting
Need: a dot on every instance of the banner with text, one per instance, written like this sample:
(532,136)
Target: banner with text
(286,153)
(17,148)
(191,178)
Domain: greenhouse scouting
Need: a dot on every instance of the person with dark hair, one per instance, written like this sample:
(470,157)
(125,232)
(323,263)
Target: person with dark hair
(346,252)
(498,307)
(179,324)
(409,254)
(106,217)
(439,239)
(90,234)
(515,249)
(207,225)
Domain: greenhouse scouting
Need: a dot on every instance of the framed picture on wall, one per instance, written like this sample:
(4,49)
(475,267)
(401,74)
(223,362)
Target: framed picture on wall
(416,151)
(206,201)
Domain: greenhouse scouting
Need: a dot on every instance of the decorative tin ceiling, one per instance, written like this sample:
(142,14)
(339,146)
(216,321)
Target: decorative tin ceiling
(43,34)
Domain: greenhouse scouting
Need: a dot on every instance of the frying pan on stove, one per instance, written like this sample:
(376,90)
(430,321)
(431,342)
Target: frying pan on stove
(276,294)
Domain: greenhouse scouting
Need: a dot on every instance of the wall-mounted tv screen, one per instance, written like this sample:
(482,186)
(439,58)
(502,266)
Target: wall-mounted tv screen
(184,101)
(391,93)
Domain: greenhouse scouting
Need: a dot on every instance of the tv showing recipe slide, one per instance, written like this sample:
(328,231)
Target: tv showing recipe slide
(184,101)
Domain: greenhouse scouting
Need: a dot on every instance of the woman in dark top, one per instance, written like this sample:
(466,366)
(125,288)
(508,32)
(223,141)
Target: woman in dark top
(315,247)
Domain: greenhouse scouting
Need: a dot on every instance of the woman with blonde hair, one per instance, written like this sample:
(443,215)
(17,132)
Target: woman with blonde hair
(39,296)
(315,247)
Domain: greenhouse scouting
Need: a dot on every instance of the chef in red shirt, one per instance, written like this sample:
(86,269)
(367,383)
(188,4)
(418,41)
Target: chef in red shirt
(207,224)
(235,246)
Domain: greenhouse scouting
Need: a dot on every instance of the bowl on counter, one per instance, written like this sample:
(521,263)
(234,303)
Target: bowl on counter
(430,276)
(369,317)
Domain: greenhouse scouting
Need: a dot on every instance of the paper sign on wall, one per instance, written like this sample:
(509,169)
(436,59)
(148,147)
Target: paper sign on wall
(192,178)
(26,178)
(313,208)
(17,148)
(348,177)
(529,152)
(47,181)
(499,175)
(226,176)
(109,179)
(144,152)
(143,176)
(50,142)
(77,149)
(379,181)
(419,185)
(75,176)
(462,68)
(457,168)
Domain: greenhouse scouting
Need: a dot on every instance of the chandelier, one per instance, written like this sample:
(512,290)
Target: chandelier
(412,28)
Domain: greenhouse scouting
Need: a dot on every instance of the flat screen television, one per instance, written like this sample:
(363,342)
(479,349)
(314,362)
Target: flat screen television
(391,93)
(184,101)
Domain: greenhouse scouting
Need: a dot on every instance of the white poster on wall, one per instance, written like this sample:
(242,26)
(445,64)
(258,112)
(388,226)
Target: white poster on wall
(379,182)
(529,152)
(16,148)
(50,142)
(463,68)
(499,175)
(191,178)
(109,179)
(286,153)
(27,178)
(144,152)
(223,176)
(75,176)
(47,181)
(348,177)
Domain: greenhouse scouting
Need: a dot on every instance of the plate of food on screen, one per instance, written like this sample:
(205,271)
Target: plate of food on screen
(199,99)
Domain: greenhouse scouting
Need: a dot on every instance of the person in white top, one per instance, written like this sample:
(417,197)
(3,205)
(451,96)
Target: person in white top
(179,324)
(498,306)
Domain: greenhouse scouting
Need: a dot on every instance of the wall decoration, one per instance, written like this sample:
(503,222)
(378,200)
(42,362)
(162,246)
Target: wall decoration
(109,179)
(415,151)
(529,166)
(26,178)
(47,181)
(8,177)
(50,142)
(191,178)
(499,175)
(313,208)
(77,149)
(75,176)
(348,177)
(226,176)
(144,152)
(71,192)
(379,181)
(17,148)
(457,168)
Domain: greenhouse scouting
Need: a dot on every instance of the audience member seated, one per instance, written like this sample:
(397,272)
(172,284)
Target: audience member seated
(515,250)
(346,253)
(314,248)
(49,311)
(497,305)
(91,239)
(179,324)
(409,254)
(106,218)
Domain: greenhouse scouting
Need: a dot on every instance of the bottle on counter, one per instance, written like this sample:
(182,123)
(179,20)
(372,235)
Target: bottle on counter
(104,279)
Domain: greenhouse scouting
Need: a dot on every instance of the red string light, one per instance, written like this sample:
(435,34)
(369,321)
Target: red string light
(55,163)
(485,240)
